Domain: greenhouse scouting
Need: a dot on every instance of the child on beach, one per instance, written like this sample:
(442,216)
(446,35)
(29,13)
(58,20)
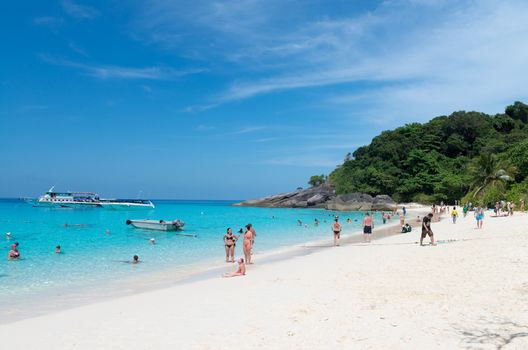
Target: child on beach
(241,271)
(479,216)
(454,215)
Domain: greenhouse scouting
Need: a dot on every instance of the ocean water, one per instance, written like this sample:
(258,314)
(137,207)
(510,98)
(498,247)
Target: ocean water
(91,255)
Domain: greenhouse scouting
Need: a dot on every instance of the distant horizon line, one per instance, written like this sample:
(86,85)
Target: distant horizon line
(155,199)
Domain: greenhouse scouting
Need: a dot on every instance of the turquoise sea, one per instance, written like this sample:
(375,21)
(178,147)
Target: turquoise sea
(92,255)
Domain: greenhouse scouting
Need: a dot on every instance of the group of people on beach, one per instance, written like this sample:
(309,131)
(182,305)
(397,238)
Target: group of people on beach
(230,239)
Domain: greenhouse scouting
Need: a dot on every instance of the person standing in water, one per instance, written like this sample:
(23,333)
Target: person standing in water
(246,244)
(454,215)
(367,227)
(384,217)
(336,228)
(426,229)
(13,254)
(230,244)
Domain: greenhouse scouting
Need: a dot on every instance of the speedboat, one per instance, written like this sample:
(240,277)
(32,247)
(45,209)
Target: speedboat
(158,225)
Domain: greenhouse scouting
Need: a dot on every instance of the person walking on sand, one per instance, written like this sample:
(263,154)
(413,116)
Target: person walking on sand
(230,244)
(246,244)
(426,229)
(402,220)
(521,208)
(367,227)
(454,215)
(479,216)
(336,228)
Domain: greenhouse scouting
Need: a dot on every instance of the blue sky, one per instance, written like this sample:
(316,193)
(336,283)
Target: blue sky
(235,99)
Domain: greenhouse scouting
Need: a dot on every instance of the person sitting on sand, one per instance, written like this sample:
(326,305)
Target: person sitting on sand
(241,271)
(230,244)
(58,249)
(13,254)
(426,229)
(336,228)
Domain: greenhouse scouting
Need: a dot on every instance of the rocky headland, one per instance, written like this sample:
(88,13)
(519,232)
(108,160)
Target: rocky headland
(323,196)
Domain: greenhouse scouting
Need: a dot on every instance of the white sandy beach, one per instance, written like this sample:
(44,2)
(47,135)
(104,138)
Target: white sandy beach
(391,294)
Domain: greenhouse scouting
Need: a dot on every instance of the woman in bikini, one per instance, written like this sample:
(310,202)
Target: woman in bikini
(248,237)
(230,244)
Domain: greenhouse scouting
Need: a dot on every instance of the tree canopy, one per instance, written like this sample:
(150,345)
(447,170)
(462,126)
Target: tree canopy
(440,159)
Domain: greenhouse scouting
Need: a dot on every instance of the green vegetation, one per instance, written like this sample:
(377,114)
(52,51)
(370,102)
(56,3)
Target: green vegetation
(317,180)
(468,155)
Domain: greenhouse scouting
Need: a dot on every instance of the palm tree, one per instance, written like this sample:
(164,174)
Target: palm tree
(489,171)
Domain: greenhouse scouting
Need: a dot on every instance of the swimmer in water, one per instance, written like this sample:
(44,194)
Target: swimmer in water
(58,249)
(107,232)
(152,241)
(8,235)
(13,254)
(241,271)
(135,259)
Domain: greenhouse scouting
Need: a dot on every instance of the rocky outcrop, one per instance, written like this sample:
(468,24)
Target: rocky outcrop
(323,197)
(315,197)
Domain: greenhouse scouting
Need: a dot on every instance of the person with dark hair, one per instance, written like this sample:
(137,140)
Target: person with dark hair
(230,244)
(426,229)
(58,249)
(135,259)
(246,244)
(336,228)
(367,227)
(13,254)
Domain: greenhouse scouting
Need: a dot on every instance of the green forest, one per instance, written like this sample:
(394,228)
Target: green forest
(468,156)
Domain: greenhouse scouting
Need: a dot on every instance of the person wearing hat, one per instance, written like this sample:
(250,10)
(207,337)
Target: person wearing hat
(13,253)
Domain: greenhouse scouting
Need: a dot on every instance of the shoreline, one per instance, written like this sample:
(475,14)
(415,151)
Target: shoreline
(52,301)
(469,291)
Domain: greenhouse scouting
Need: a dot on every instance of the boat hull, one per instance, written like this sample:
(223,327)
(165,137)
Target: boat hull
(157,225)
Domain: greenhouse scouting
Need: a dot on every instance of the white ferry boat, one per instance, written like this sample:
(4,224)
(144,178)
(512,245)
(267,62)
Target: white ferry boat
(88,200)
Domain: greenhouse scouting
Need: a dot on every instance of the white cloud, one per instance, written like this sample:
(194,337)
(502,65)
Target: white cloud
(48,21)
(119,72)
(304,161)
(79,11)
(400,60)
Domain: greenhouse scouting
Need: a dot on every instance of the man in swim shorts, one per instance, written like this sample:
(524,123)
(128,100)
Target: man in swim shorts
(426,229)
(367,227)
